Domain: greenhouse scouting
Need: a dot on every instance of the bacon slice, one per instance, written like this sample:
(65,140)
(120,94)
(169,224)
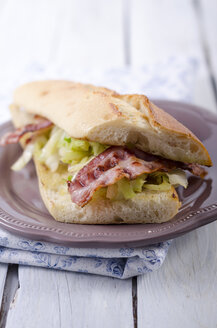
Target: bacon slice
(195,169)
(14,137)
(114,164)
(107,168)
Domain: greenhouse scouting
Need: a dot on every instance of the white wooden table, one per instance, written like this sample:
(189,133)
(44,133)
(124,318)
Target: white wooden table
(102,33)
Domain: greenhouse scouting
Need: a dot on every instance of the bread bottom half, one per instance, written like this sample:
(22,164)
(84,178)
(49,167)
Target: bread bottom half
(146,207)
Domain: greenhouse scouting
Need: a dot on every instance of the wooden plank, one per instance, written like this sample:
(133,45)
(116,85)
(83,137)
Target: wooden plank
(26,31)
(2,5)
(10,288)
(63,299)
(183,292)
(91,35)
(3,274)
(65,38)
(69,33)
(167,28)
(208,11)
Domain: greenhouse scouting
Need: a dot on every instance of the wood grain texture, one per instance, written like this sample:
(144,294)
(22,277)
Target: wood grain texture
(30,30)
(208,13)
(10,288)
(183,292)
(60,299)
(90,34)
(3,274)
(167,28)
(70,32)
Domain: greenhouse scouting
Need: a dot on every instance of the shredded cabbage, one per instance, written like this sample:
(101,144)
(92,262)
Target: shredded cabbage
(125,188)
(33,147)
(24,158)
(163,186)
(112,191)
(138,183)
(50,147)
(39,144)
(100,194)
(77,167)
(157,181)
(177,177)
(60,147)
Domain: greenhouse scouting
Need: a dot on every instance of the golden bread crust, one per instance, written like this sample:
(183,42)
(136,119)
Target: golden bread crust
(102,115)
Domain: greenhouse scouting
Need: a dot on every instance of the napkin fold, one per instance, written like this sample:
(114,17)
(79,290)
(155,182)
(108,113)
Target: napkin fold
(121,262)
(172,79)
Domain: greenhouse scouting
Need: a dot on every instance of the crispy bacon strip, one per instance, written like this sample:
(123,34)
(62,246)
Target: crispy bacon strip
(14,137)
(114,164)
(195,169)
(107,168)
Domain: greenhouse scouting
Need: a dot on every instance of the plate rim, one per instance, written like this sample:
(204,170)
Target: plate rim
(95,238)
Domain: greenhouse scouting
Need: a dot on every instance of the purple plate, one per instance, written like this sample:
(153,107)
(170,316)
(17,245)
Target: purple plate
(23,212)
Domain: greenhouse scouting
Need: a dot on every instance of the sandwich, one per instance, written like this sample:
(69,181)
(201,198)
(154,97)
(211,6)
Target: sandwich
(102,157)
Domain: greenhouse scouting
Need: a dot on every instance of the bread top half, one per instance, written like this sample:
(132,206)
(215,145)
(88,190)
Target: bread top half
(102,115)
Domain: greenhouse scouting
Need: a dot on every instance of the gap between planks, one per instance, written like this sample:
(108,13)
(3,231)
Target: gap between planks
(75,300)
(12,285)
(10,289)
(126,7)
(134,301)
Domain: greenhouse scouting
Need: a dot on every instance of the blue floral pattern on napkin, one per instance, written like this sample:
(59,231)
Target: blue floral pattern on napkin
(119,262)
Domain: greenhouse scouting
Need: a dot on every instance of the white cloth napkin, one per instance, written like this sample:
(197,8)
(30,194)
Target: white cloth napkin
(172,79)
